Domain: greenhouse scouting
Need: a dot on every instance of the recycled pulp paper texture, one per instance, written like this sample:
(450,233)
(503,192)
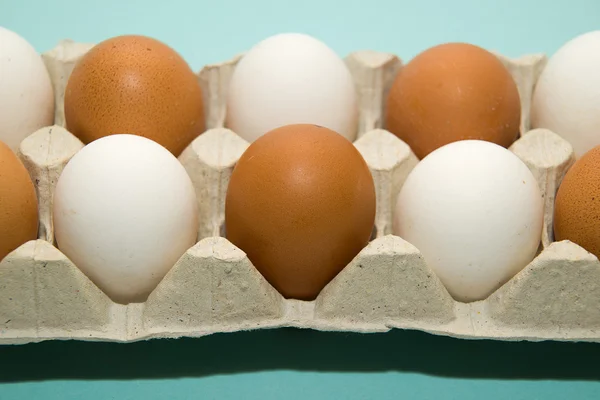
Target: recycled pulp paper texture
(215,288)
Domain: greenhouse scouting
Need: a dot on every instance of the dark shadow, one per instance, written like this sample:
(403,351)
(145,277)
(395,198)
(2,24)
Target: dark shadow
(373,234)
(295,349)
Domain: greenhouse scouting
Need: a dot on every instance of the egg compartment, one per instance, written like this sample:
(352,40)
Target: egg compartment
(215,288)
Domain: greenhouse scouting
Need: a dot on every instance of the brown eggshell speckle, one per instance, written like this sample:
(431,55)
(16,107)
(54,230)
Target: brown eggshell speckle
(452,92)
(18,203)
(301,205)
(577,204)
(137,85)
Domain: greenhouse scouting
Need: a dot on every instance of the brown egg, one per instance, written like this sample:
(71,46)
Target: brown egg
(453,92)
(18,203)
(137,85)
(577,204)
(301,205)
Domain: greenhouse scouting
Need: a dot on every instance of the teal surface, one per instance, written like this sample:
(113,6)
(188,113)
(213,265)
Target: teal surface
(302,364)
(288,363)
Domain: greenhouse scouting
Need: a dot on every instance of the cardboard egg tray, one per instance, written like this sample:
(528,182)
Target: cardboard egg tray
(215,288)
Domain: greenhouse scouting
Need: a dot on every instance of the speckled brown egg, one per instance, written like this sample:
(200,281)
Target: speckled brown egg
(452,92)
(18,203)
(301,205)
(577,204)
(137,85)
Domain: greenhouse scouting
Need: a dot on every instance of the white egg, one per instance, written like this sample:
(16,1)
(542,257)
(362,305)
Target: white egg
(26,94)
(125,211)
(287,79)
(475,212)
(566,99)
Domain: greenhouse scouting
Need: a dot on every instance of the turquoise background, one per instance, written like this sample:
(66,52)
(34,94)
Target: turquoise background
(290,363)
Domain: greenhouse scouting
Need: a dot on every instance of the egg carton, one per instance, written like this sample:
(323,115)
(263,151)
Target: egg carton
(215,288)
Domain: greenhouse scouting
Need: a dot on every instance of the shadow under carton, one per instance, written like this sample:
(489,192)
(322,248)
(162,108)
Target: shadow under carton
(215,288)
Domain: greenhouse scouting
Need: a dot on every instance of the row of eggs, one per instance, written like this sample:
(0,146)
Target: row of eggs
(301,199)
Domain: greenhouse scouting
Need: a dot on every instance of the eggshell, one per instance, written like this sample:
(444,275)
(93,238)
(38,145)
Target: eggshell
(566,99)
(18,203)
(577,206)
(135,85)
(125,211)
(475,212)
(301,205)
(451,92)
(26,95)
(291,78)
